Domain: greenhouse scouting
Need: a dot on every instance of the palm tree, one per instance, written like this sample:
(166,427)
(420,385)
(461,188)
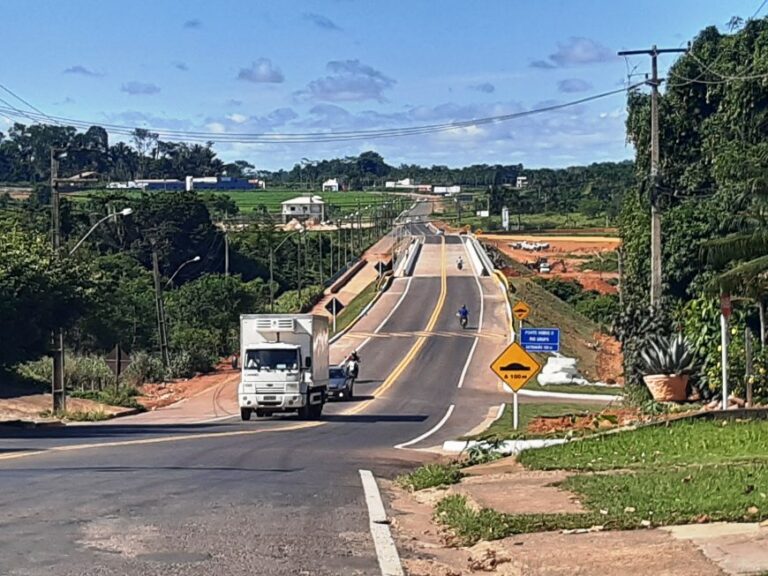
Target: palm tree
(747,247)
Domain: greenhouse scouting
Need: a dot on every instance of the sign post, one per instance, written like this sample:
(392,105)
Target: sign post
(521,310)
(334,306)
(516,368)
(505,218)
(725,314)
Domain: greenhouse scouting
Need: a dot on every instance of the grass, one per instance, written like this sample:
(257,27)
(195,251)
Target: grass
(502,428)
(529,222)
(577,331)
(576,389)
(431,476)
(250,200)
(78,415)
(125,396)
(348,314)
(686,472)
(684,443)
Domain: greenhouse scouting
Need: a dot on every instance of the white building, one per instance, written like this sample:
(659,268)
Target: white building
(304,208)
(331,185)
(446,190)
(521,182)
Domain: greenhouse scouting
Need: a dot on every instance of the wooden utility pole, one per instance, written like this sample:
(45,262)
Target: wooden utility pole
(58,385)
(160,309)
(654,82)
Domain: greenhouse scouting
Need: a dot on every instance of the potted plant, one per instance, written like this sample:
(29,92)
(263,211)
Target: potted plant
(667,364)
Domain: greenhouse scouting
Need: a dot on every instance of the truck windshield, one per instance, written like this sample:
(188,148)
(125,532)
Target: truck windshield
(271,360)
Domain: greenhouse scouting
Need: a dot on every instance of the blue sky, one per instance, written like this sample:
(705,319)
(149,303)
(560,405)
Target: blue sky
(337,65)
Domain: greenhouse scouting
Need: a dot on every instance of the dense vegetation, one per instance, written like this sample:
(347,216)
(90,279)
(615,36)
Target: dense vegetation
(104,295)
(712,190)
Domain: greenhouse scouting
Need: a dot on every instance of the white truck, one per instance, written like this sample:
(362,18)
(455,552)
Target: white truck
(284,364)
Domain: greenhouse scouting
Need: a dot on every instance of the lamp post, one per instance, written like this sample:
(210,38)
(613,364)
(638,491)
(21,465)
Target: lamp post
(193,259)
(272,267)
(58,385)
(123,212)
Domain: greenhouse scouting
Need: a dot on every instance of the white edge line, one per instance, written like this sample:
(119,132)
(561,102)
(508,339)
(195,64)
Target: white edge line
(468,362)
(386,551)
(429,432)
(397,305)
(565,395)
(479,289)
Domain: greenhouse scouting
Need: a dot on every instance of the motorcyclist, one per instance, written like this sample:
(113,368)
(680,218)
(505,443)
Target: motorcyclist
(463,315)
(352,363)
(460,263)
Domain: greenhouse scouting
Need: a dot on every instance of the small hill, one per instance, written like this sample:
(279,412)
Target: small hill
(578,334)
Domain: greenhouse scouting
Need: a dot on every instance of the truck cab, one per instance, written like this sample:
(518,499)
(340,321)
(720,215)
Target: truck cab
(284,365)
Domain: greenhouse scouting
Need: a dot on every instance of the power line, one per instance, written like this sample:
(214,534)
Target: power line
(316,137)
(759,8)
(32,106)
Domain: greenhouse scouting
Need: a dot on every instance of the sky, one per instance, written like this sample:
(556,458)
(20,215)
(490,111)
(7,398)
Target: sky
(248,66)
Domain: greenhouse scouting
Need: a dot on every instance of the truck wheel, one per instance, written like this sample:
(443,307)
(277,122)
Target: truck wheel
(315,411)
(305,412)
(245,413)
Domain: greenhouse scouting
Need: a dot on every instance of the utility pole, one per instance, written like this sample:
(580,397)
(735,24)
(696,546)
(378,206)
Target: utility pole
(655,208)
(160,309)
(58,389)
(226,245)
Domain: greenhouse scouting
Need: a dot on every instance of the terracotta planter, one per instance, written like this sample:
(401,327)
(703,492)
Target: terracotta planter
(667,387)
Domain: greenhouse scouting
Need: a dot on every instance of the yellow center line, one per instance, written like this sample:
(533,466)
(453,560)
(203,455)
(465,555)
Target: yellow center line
(391,379)
(405,362)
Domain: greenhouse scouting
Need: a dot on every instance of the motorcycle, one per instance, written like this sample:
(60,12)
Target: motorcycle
(459,264)
(462,321)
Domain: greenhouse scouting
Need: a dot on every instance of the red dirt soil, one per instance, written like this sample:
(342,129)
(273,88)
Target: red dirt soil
(154,396)
(610,360)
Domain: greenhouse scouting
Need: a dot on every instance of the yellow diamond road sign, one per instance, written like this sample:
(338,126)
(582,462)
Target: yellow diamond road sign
(515,366)
(521,310)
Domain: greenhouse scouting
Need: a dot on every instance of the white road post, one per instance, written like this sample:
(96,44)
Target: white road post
(334,315)
(724,357)
(515,409)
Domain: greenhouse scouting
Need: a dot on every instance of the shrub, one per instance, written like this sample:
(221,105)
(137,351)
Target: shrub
(198,349)
(143,368)
(431,476)
(80,372)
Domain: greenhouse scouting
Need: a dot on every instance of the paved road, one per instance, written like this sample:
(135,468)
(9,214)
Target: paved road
(272,497)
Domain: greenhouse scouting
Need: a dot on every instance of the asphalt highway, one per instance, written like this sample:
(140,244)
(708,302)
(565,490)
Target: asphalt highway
(273,497)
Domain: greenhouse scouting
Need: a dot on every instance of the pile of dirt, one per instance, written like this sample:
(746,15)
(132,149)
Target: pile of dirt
(159,395)
(610,359)
(605,420)
(32,407)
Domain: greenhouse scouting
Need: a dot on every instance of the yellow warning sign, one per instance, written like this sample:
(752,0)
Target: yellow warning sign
(515,366)
(521,310)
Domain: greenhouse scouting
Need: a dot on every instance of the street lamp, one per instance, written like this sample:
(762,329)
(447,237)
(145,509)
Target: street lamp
(272,251)
(123,212)
(58,385)
(194,259)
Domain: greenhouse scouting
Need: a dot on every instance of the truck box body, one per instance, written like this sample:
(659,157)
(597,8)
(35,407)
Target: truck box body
(284,362)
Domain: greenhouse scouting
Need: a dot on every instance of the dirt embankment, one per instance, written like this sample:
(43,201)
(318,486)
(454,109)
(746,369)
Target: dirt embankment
(159,395)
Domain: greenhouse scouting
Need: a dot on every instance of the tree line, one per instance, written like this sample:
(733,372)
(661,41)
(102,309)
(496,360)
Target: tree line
(713,194)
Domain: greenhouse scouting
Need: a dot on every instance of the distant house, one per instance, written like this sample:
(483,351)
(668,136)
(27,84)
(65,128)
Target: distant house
(257,183)
(521,182)
(331,185)
(446,190)
(407,184)
(303,208)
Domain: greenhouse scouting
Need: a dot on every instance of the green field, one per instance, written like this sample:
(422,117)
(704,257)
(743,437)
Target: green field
(250,200)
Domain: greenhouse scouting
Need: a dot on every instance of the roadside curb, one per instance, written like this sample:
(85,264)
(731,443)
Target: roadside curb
(363,312)
(31,424)
(511,447)
(566,395)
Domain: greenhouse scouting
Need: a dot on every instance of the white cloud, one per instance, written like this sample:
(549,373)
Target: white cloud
(261,71)
(348,81)
(237,118)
